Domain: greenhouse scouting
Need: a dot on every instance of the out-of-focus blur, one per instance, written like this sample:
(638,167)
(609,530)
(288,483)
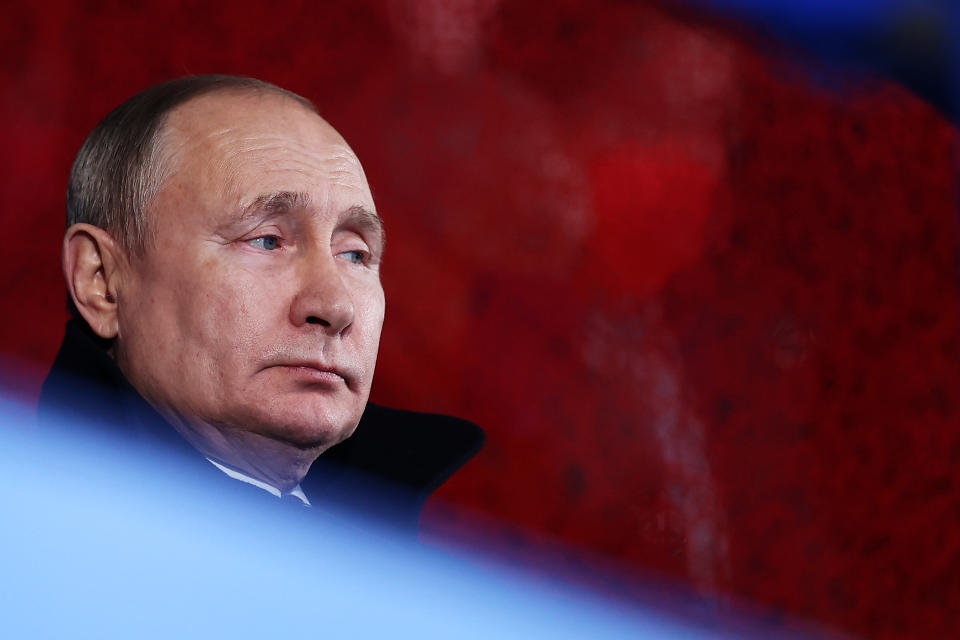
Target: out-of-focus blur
(912,41)
(692,266)
(100,541)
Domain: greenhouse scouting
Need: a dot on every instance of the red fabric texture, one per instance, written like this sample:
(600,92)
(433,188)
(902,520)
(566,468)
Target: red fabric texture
(705,308)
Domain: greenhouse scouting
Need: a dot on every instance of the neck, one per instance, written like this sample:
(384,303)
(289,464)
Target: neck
(280,464)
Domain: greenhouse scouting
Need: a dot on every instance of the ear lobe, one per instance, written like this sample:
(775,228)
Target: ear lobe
(91,261)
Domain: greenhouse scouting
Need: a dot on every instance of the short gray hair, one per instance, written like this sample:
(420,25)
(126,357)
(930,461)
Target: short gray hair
(119,169)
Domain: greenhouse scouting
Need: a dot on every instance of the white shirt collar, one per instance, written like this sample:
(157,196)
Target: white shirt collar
(297,492)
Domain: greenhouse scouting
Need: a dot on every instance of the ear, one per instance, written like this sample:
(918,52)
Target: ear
(92,268)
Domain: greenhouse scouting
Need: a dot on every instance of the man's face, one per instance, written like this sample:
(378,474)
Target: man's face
(258,304)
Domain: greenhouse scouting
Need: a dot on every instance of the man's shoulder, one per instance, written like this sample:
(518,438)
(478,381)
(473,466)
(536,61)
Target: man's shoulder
(418,451)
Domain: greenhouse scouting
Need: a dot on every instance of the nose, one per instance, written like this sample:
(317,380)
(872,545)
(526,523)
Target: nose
(323,299)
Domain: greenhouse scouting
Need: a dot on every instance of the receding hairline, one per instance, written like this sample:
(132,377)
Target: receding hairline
(164,159)
(215,93)
(117,169)
(181,110)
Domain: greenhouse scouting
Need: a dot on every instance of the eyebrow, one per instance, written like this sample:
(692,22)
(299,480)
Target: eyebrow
(275,204)
(282,202)
(367,221)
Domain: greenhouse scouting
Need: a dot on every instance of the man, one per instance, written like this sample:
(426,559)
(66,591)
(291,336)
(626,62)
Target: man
(222,258)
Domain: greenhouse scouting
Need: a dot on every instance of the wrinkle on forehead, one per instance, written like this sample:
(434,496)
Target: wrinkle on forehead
(288,143)
(337,157)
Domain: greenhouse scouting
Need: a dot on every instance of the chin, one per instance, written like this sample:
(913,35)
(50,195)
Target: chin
(308,429)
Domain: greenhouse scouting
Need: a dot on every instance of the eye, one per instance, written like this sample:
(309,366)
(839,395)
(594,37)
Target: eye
(356,256)
(267,243)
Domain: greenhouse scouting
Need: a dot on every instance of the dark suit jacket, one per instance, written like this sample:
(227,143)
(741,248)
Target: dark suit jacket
(386,470)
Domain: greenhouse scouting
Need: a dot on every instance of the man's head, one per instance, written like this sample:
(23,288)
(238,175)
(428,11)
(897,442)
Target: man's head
(224,237)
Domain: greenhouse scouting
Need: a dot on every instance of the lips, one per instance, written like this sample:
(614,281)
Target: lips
(315,372)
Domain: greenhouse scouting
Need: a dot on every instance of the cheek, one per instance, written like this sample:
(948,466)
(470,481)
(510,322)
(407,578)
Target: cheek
(373,314)
(229,315)
(186,310)
(371,310)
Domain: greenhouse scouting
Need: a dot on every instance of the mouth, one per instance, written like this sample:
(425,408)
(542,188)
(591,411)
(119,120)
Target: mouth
(314,373)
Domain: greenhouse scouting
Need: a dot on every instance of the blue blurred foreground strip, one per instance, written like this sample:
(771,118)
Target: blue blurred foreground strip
(118,548)
(98,544)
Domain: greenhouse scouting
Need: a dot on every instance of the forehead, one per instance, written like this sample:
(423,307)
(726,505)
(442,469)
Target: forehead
(235,146)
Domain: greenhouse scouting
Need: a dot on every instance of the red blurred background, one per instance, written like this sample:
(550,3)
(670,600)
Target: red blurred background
(703,302)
